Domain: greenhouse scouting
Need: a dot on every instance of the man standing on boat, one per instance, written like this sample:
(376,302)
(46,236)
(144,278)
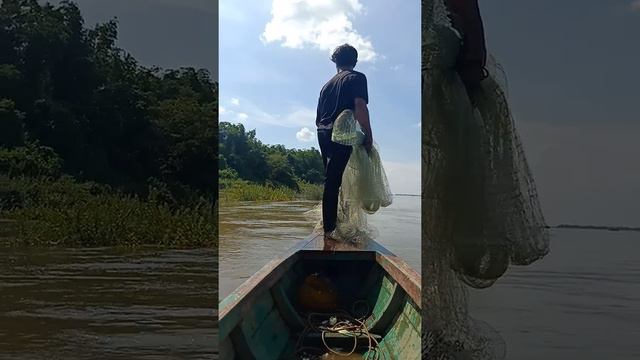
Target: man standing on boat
(345,90)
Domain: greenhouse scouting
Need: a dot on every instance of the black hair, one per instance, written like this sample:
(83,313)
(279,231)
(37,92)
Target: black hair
(345,56)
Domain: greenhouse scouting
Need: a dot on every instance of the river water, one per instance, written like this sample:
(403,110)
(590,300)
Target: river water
(251,234)
(582,301)
(107,304)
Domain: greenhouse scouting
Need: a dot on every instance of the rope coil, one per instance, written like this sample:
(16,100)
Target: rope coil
(340,322)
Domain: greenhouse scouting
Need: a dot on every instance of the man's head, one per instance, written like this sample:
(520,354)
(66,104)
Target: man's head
(345,56)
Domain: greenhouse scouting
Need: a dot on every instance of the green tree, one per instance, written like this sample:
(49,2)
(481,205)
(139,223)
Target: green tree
(11,124)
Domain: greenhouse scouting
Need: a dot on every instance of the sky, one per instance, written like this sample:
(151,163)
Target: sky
(274,59)
(573,75)
(164,33)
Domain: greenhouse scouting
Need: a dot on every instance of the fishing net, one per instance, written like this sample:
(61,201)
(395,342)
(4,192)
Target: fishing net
(365,188)
(480,206)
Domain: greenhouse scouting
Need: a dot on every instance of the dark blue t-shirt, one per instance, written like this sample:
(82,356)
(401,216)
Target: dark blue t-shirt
(339,94)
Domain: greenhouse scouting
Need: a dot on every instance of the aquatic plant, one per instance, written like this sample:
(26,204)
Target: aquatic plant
(63,212)
(241,190)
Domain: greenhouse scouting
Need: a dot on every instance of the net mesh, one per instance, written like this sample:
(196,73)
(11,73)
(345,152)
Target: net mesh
(479,202)
(365,188)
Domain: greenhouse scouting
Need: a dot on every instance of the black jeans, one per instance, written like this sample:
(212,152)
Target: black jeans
(334,158)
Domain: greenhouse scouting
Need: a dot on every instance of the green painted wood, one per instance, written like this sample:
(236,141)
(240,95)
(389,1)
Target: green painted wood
(413,349)
(255,313)
(413,314)
(240,345)
(385,316)
(339,256)
(371,282)
(286,308)
(403,340)
(289,349)
(383,297)
(229,322)
(226,349)
(271,338)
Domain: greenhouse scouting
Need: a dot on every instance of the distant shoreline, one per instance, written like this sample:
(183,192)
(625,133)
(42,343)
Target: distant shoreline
(596,227)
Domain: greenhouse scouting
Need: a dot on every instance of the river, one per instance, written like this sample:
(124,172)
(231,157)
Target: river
(106,303)
(251,234)
(582,301)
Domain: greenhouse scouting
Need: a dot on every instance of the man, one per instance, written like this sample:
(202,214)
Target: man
(346,90)
(465,16)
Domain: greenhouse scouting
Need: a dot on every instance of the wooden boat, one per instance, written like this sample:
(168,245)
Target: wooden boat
(263,319)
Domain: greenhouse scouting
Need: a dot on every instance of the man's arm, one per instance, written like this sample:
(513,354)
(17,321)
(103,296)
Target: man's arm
(474,57)
(362,116)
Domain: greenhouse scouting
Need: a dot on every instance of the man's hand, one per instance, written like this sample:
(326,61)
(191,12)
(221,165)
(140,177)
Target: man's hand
(368,145)
(362,117)
(471,75)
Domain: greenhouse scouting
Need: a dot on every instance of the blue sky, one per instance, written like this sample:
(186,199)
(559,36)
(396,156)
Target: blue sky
(274,58)
(165,33)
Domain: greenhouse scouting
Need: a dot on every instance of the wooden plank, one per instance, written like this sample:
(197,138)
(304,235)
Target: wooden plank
(317,243)
(403,340)
(412,313)
(383,298)
(240,344)
(255,312)
(270,339)
(226,349)
(338,256)
(373,277)
(408,278)
(384,316)
(286,309)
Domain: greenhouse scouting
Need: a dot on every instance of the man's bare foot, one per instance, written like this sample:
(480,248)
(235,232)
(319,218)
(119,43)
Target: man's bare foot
(329,241)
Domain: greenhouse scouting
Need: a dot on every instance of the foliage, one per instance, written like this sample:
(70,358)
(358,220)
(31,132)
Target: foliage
(241,152)
(67,213)
(233,190)
(31,160)
(96,149)
(110,120)
(240,190)
(310,191)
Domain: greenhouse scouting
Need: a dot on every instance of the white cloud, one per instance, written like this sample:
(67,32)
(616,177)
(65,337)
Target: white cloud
(232,116)
(396,67)
(635,5)
(320,24)
(295,117)
(305,135)
(417,125)
(242,117)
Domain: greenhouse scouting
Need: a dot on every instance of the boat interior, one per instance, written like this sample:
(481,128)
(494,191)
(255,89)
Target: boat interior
(282,312)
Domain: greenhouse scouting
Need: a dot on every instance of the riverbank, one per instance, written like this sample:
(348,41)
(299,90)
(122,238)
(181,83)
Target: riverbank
(242,190)
(68,213)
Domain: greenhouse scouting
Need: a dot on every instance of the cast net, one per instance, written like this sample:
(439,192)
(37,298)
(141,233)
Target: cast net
(365,188)
(479,202)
